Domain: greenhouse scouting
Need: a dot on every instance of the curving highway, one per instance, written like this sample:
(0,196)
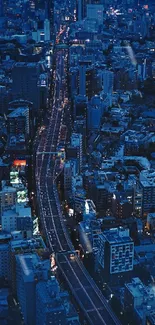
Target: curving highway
(91,301)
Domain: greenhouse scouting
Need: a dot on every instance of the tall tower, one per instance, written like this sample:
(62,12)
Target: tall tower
(47,30)
(1,8)
(39,4)
(82,7)
(49,8)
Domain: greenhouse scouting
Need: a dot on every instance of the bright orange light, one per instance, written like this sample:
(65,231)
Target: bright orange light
(19,162)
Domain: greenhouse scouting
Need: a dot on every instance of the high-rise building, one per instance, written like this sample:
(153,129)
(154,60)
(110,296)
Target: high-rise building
(21,245)
(24,221)
(47,35)
(18,218)
(49,307)
(82,7)
(94,113)
(80,126)
(147,189)
(5,255)
(80,106)
(142,71)
(76,142)
(18,121)
(89,235)
(5,96)
(79,200)
(1,8)
(108,80)
(8,197)
(39,4)
(79,10)
(49,4)
(101,197)
(9,219)
(25,82)
(89,211)
(139,299)
(95,11)
(116,252)
(69,171)
(86,77)
(29,271)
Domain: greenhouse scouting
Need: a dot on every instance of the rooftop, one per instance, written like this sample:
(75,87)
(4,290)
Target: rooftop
(31,264)
(27,263)
(18,112)
(117,235)
(27,244)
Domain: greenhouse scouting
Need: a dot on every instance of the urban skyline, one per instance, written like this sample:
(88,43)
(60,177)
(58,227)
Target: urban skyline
(77,164)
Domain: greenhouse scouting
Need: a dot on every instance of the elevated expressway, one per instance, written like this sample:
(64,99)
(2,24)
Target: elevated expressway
(89,298)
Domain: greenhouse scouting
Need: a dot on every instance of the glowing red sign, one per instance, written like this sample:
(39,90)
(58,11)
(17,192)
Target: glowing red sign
(19,162)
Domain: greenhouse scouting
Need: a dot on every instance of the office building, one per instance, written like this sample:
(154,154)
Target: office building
(95,111)
(77,183)
(46,30)
(18,218)
(141,73)
(82,7)
(116,253)
(150,222)
(29,271)
(30,117)
(25,82)
(89,232)
(95,11)
(84,229)
(5,97)
(80,106)
(147,189)
(49,8)
(49,306)
(1,8)
(76,143)
(80,126)
(86,78)
(68,173)
(108,81)
(5,255)
(139,299)
(124,208)
(21,245)
(8,197)
(24,221)
(9,219)
(101,197)
(79,10)
(39,4)
(19,121)
(138,200)
(89,211)
(42,92)
(79,200)
(74,81)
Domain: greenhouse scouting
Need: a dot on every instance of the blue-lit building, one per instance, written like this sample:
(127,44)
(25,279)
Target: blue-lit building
(95,111)
(116,253)
(29,271)
(18,121)
(1,8)
(49,307)
(4,255)
(25,78)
